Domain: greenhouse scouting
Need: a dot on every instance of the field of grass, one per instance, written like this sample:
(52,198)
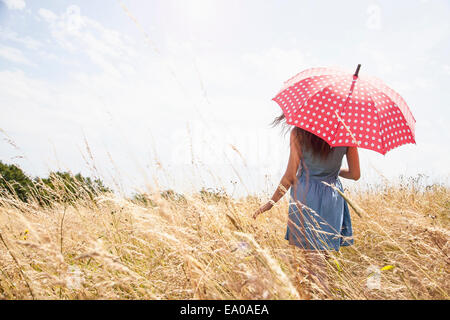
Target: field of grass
(207,246)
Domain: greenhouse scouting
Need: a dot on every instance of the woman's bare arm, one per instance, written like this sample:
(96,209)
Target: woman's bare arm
(289,176)
(353,172)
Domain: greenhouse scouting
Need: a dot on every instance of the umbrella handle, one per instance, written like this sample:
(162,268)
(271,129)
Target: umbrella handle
(357,70)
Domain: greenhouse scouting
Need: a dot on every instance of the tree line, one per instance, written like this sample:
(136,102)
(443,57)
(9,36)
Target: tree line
(58,186)
(66,187)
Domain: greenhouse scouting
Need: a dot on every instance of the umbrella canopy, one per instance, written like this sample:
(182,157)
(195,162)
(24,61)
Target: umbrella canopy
(347,109)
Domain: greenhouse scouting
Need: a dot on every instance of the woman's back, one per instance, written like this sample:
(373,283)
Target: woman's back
(322,221)
(315,167)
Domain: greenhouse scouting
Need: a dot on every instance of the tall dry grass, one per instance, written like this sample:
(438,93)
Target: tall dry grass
(209,247)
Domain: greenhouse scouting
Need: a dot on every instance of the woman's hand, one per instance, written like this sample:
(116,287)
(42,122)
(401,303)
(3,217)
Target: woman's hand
(263,209)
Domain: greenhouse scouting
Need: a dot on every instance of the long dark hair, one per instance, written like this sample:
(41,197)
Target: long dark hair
(306,139)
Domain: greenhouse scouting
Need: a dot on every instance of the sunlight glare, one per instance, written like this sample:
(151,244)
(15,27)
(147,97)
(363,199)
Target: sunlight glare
(198,11)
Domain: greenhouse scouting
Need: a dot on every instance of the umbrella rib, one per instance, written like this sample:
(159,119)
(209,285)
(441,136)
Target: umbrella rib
(313,95)
(349,94)
(380,128)
(310,73)
(380,86)
(379,121)
(385,149)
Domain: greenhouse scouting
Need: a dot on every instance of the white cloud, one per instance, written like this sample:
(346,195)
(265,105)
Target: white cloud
(78,34)
(14,55)
(47,15)
(446,68)
(15,4)
(27,41)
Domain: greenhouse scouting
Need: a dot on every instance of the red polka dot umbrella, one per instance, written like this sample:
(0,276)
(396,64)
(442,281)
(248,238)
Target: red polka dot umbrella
(347,109)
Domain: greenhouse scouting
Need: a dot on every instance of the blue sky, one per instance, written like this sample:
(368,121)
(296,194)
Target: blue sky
(197,86)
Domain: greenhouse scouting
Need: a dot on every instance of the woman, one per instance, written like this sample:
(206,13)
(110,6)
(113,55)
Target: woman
(319,219)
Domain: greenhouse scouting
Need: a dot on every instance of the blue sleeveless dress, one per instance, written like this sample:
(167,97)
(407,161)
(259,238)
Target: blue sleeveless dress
(327,226)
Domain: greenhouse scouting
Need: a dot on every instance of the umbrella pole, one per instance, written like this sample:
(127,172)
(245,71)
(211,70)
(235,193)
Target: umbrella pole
(357,70)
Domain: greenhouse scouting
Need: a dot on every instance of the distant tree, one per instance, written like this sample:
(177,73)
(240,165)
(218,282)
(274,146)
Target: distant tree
(172,196)
(213,194)
(144,199)
(66,187)
(14,181)
(58,186)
